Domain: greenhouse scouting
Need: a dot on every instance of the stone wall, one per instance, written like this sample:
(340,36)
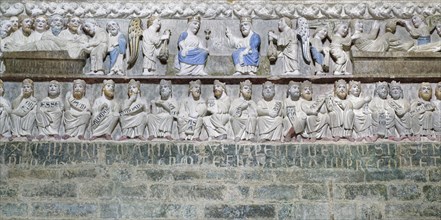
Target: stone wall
(159,180)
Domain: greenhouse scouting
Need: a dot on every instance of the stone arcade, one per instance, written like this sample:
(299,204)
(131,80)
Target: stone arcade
(220,110)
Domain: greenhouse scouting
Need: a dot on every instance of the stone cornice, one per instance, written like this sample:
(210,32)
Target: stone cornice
(229,9)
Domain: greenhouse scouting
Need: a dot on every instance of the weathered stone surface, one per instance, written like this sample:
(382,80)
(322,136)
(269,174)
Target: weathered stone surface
(404,192)
(314,192)
(319,176)
(8,191)
(110,210)
(259,175)
(435,175)
(396,174)
(368,210)
(276,192)
(432,193)
(431,210)
(150,210)
(304,211)
(344,211)
(160,192)
(80,173)
(405,210)
(64,210)
(361,192)
(240,211)
(95,189)
(131,190)
(53,189)
(198,192)
(13,209)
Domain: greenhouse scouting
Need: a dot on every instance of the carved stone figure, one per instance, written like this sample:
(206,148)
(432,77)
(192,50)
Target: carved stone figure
(134,113)
(339,39)
(5,111)
(295,118)
(246,57)
(287,44)
(152,44)
(320,52)
(20,37)
(50,112)
(96,46)
(164,111)
(24,111)
(269,114)
(437,113)
(72,39)
(5,30)
(116,48)
(317,120)
(418,29)
(401,107)
(218,109)
(77,111)
(191,112)
(383,116)
(362,117)
(340,110)
(421,112)
(430,47)
(105,112)
(15,23)
(192,52)
(243,113)
(41,26)
(56,23)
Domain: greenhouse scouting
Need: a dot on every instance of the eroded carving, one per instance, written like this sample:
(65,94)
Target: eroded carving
(243,113)
(50,112)
(192,109)
(218,108)
(134,112)
(77,111)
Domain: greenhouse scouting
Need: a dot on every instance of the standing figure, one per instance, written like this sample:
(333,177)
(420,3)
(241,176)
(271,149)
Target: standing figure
(5,111)
(401,108)
(192,52)
(218,109)
(417,29)
(96,46)
(320,52)
(105,112)
(134,112)
(295,118)
(383,116)
(24,111)
(422,112)
(340,110)
(317,119)
(154,45)
(269,114)
(191,112)
(77,111)
(18,38)
(116,48)
(50,112)
(287,44)
(362,117)
(340,39)
(437,113)
(246,57)
(243,113)
(164,111)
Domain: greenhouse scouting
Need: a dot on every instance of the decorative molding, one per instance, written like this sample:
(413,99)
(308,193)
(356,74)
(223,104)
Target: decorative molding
(225,10)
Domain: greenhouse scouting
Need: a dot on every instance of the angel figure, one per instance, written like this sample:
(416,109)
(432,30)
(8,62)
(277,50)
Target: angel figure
(154,45)
(287,44)
(340,40)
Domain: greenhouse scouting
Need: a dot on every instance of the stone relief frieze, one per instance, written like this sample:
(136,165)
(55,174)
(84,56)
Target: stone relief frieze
(260,10)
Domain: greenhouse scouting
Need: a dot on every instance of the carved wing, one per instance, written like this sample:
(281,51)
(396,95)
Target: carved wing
(303,31)
(433,20)
(135,33)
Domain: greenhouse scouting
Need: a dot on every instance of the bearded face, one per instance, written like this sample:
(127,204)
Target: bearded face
(54,90)
(268,92)
(218,91)
(165,92)
(294,92)
(26,25)
(425,92)
(28,90)
(341,90)
(382,92)
(56,24)
(109,91)
(112,28)
(245,28)
(246,92)
(78,91)
(307,93)
(133,90)
(195,92)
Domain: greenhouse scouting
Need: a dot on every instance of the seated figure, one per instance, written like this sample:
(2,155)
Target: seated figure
(340,110)
(218,115)
(77,111)
(269,114)
(50,112)
(5,111)
(422,112)
(362,117)
(401,107)
(243,111)
(295,118)
(383,116)
(436,116)
(24,111)
(134,111)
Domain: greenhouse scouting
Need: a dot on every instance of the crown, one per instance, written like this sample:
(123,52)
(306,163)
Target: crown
(134,82)
(195,83)
(245,83)
(80,81)
(292,83)
(394,84)
(194,18)
(108,81)
(245,19)
(305,83)
(164,82)
(28,81)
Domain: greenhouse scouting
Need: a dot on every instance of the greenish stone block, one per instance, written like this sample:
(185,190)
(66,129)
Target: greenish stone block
(64,210)
(314,192)
(404,191)
(53,189)
(432,193)
(240,211)
(276,192)
(13,209)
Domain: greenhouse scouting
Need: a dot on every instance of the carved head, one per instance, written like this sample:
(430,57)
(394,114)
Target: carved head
(293,90)
(27,88)
(219,88)
(79,88)
(56,22)
(245,25)
(89,27)
(41,23)
(165,89)
(355,88)
(112,27)
(195,89)
(391,26)
(2,90)
(246,89)
(15,23)
(108,88)
(268,90)
(438,91)
(154,22)
(306,90)
(381,90)
(357,25)
(341,89)
(74,23)
(321,33)
(194,23)
(342,29)
(54,89)
(438,29)
(134,88)
(26,24)
(284,23)
(5,28)
(417,20)
(425,91)
(395,90)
